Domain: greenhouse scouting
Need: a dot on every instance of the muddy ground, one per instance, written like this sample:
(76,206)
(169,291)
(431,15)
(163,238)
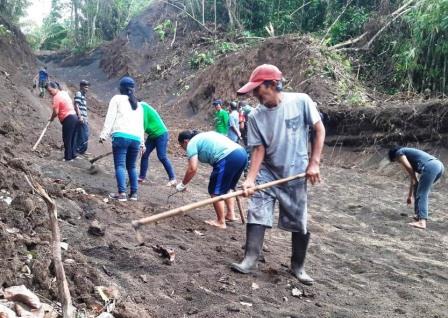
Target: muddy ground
(366,261)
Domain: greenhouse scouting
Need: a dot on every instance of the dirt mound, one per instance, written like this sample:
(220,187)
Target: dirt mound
(386,124)
(306,66)
(16,55)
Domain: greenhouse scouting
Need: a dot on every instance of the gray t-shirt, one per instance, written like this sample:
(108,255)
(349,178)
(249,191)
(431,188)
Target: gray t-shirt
(283,130)
(417,158)
(234,119)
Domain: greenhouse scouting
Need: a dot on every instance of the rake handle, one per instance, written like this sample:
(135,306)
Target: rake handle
(183,209)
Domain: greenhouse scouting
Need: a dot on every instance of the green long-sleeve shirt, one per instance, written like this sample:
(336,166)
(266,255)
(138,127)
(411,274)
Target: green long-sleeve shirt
(153,123)
(222,122)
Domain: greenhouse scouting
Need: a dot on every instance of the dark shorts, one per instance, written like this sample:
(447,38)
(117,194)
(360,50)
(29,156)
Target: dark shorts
(42,83)
(227,172)
(292,199)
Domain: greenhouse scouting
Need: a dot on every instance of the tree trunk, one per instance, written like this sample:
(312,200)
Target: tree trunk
(76,16)
(92,36)
(64,292)
(214,5)
(203,12)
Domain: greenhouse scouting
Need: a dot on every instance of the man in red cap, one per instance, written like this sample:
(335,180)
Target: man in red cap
(278,132)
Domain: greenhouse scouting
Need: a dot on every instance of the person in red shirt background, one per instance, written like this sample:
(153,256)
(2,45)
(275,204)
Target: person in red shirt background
(63,109)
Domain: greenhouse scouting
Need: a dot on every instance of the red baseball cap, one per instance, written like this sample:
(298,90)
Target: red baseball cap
(265,72)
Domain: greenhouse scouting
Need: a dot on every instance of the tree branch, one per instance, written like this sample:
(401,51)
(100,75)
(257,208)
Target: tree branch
(63,290)
(349,42)
(335,21)
(187,13)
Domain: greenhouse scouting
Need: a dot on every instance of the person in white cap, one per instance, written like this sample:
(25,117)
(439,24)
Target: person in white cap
(278,132)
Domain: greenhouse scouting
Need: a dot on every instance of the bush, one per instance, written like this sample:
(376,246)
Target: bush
(201,59)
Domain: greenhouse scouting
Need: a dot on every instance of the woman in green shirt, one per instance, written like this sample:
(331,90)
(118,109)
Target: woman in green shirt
(157,139)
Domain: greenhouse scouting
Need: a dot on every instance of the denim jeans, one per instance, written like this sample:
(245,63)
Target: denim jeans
(125,153)
(68,136)
(82,137)
(432,171)
(160,144)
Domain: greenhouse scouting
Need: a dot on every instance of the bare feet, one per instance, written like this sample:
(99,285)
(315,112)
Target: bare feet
(421,224)
(216,224)
(230,217)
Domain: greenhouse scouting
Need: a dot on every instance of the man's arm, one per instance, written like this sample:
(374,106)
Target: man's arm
(403,160)
(191,170)
(233,126)
(78,113)
(257,158)
(313,170)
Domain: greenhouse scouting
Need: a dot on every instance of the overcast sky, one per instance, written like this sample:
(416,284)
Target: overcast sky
(37,11)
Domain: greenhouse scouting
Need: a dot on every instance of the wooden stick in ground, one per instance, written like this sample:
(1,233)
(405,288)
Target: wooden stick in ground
(41,136)
(183,209)
(240,208)
(63,290)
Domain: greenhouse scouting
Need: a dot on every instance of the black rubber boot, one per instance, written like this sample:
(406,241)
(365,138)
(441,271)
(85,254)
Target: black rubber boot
(254,245)
(299,247)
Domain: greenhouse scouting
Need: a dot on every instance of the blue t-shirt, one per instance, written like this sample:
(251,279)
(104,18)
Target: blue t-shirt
(210,147)
(43,75)
(417,158)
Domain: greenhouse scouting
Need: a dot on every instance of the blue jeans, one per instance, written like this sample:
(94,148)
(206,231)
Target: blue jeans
(432,171)
(125,153)
(82,137)
(160,144)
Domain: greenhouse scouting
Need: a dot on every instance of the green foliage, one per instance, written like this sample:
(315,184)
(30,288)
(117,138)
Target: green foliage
(163,28)
(199,60)
(226,47)
(350,25)
(14,9)
(91,23)
(5,32)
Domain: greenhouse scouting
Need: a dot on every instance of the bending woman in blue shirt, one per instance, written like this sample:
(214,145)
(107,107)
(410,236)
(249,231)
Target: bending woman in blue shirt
(429,168)
(228,160)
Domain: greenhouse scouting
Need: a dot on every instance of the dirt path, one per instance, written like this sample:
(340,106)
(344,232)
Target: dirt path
(367,262)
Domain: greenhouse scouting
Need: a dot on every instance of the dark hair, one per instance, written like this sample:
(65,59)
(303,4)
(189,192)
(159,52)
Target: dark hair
(54,85)
(242,103)
(187,135)
(278,85)
(233,105)
(393,153)
(130,93)
(84,83)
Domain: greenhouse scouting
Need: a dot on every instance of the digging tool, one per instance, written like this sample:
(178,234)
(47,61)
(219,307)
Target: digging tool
(41,136)
(92,169)
(183,209)
(240,208)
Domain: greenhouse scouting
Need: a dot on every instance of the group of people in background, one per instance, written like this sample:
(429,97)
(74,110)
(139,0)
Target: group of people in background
(231,122)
